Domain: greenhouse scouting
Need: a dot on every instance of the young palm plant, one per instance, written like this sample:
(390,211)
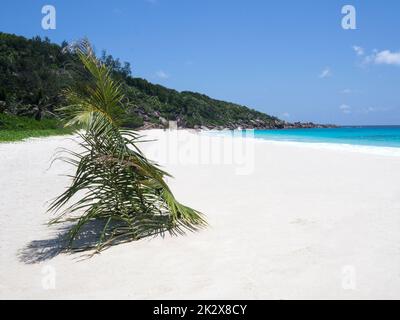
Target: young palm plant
(114,183)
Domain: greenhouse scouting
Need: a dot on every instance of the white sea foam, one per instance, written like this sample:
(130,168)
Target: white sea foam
(365,149)
(375,150)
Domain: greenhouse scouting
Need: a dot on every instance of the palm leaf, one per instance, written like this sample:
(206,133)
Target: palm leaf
(115,183)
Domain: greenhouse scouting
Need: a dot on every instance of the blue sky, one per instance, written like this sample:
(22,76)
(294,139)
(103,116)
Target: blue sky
(291,59)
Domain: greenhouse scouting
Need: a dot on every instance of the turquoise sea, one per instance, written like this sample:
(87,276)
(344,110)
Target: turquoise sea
(378,136)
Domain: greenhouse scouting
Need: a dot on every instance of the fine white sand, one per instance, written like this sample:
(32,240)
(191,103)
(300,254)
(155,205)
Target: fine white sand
(286,221)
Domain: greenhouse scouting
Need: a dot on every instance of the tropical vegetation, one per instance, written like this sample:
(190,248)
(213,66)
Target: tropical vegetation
(14,128)
(114,185)
(34,72)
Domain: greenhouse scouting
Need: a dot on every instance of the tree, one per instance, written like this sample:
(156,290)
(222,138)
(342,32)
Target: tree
(123,190)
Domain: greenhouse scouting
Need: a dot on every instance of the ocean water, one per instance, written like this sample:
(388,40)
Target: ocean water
(375,136)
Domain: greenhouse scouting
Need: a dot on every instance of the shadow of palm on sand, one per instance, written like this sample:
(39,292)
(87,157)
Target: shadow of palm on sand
(45,249)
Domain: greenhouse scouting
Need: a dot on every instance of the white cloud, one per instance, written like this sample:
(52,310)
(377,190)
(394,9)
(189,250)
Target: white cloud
(286,115)
(346,91)
(359,50)
(383,57)
(375,109)
(162,75)
(371,109)
(387,57)
(345,108)
(326,73)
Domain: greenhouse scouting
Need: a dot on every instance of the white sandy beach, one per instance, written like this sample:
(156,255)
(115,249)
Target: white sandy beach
(287,221)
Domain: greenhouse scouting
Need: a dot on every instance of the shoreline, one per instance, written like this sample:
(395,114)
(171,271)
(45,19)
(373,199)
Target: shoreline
(364,149)
(334,146)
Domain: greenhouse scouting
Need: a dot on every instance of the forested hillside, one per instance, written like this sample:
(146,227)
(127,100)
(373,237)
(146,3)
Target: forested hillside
(33,73)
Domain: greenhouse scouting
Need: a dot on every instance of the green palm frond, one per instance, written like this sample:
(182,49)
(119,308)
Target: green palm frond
(114,182)
(102,95)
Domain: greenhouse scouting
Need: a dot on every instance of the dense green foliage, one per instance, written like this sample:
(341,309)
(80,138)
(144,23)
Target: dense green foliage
(11,122)
(14,128)
(17,135)
(191,108)
(34,73)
